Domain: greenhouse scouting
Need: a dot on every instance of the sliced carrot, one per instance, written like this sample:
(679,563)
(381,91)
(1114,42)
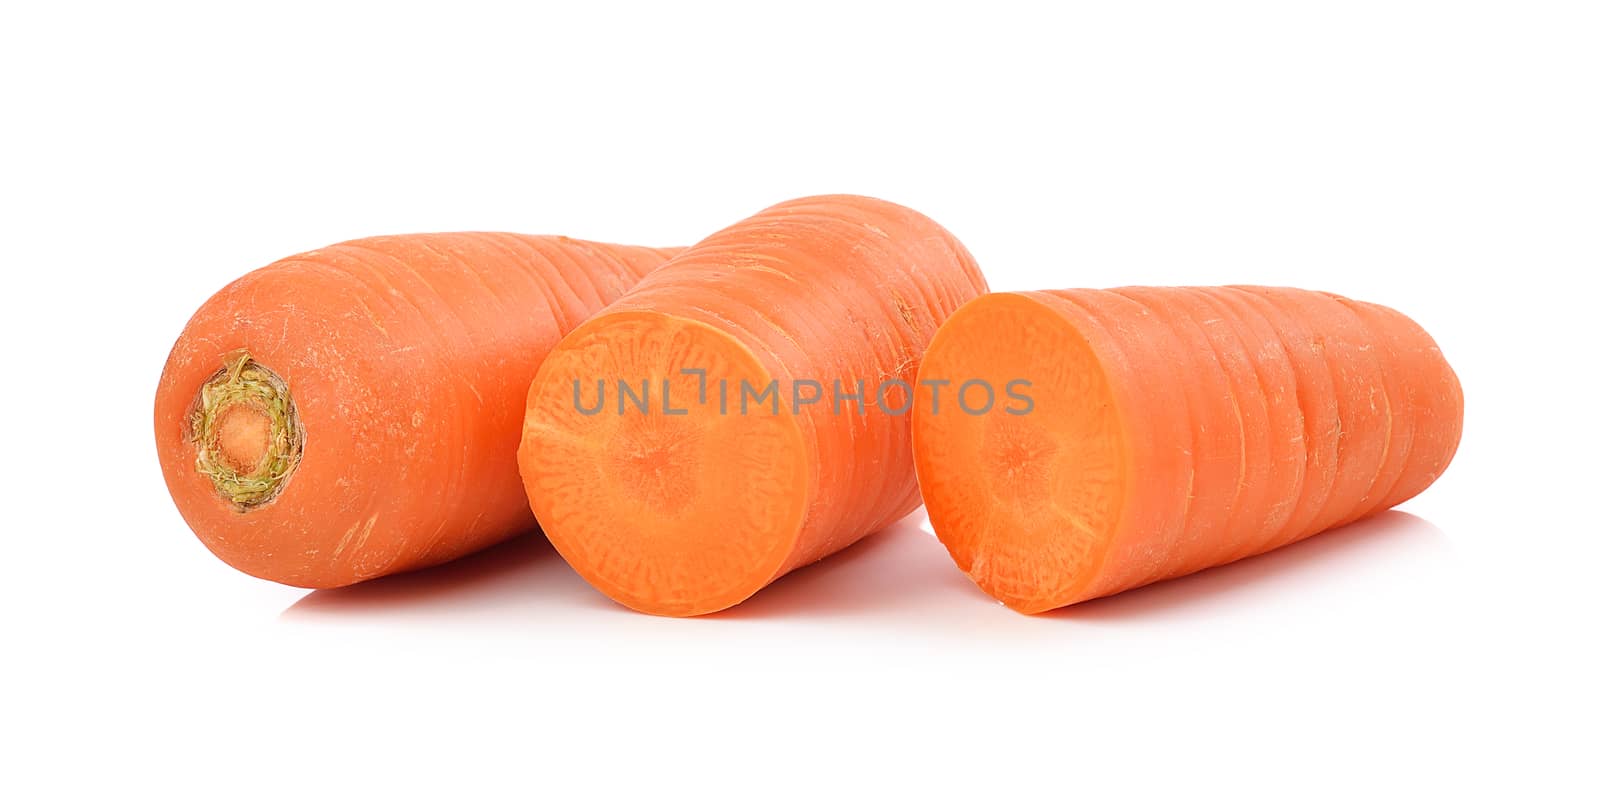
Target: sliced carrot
(691,510)
(1074,497)
(353,411)
(1087,493)
(1216,429)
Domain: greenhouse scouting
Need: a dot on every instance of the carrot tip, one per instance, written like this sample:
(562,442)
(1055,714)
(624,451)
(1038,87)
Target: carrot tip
(247,434)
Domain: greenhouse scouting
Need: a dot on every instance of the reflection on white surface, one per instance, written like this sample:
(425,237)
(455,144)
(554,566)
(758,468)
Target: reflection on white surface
(898,579)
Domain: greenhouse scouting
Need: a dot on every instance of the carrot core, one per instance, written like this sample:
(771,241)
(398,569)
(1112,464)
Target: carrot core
(246,432)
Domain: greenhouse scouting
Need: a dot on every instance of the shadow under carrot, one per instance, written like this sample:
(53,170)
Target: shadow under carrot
(488,575)
(1383,532)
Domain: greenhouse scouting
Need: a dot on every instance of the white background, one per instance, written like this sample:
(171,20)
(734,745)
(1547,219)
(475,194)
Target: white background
(1442,158)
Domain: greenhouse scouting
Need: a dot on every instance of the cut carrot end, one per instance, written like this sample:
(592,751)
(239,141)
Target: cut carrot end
(247,434)
(652,476)
(1025,499)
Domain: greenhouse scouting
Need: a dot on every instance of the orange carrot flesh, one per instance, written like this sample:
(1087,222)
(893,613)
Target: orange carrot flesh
(1086,494)
(692,510)
(1057,534)
(667,513)
(353,411)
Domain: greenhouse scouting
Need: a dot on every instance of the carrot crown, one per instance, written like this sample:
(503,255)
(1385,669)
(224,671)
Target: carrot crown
(246,433)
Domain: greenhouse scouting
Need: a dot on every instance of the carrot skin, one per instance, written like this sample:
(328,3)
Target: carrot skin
(1342,341)
(1276,488)
(1262,499)
(1435,402)
(1217,433)
(1399,395)
(1319,407)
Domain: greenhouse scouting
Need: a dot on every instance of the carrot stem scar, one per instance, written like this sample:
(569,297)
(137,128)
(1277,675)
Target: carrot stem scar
(247,434)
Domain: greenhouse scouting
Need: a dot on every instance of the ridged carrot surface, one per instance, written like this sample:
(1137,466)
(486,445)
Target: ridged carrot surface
(691,512)
(1173,429)
(354,411)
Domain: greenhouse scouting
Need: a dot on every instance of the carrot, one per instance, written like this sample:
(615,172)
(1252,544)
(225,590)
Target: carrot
(734,416)
(1010,474)
(1290,413)
(353,411)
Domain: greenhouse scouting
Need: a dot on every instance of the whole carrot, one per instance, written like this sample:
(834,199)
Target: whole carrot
(1173,429)
(742,412)
(354,411)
